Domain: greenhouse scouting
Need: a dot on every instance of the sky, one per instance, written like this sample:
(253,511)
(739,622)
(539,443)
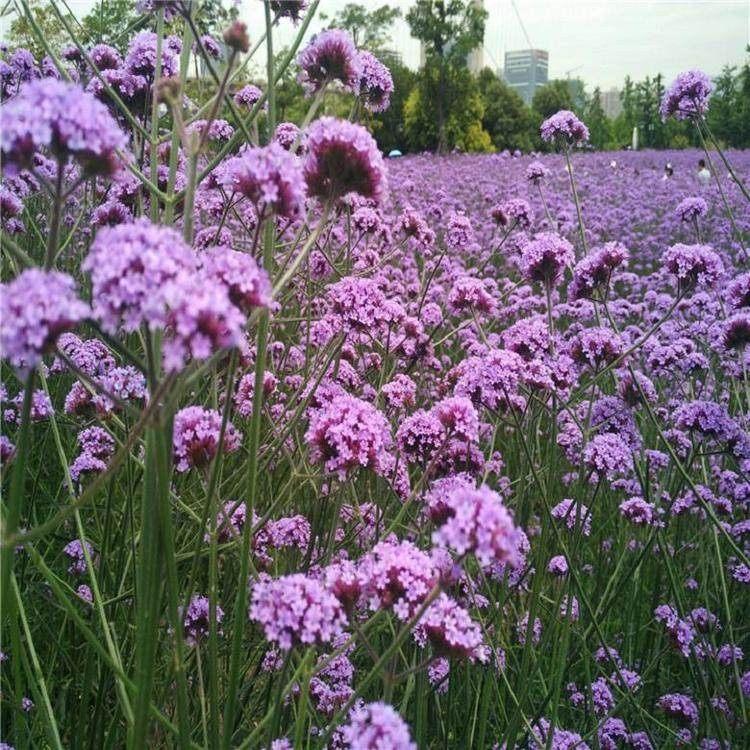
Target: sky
(600,41)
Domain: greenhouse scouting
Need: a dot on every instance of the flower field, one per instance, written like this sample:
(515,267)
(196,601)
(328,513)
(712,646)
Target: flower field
(303,447)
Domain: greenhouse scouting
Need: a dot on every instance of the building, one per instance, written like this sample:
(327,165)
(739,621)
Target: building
(611,103)
(526,70)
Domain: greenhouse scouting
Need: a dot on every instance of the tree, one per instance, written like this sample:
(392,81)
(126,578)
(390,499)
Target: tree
(449,30)
(551,98)
(109,22)
(600,128)
(506,118)
(388,127)
(369,28)
(463,124)
(22,34)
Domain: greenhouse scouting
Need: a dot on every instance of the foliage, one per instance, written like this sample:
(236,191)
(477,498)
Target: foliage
(506,118)
(369,28)
(449,30)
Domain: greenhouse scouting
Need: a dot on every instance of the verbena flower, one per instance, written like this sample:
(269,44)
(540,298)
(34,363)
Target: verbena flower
(330,56)
(342,158)
(376,726)
(196,437)
(564,127)
(545,258)
(64,120)
(296,609)
(196,620)
(375,84)
(693,264)
(269,177)
(687,96)
(35,308)
(479,523)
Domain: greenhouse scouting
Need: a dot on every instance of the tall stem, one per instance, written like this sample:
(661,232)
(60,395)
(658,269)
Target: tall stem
(577,202)
(54,224)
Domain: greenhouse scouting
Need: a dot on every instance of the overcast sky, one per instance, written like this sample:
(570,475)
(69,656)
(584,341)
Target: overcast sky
(600,41)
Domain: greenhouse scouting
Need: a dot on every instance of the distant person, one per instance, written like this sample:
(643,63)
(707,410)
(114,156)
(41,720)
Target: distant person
(703,174)
(668,172)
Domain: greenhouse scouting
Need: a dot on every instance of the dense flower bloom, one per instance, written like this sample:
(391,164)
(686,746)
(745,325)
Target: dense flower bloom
(398,575)
(35,308)
(375,83)
(536,172)
(479,523)
(679,706)
(105,57)
(216,130)
(64,119)
(557,739)
(596,347)
(287,134)
(564,127)
(270,177)
(573,514)
(247,96)
(693,264)
(196,437)
(296,609)
(141,55)
(346,433)
(687,96)
(130,266)
(607,455)
(545,258)
(689,209)
(248,285)
(196,620)
(593,272)
(75,551)
(637,511)
(450,630)
(738,291)
(375,726)
(330,56)
(342,158)
(736,331)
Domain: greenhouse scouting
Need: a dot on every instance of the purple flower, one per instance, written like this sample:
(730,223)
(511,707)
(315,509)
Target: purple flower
(140,59)
(196,437)
(346,433)
(536,172)
(558,565)
(292,9)
(375,83)
(564,127)
(215,130)
(286,135)
(557,739)
(738,291)
(375,726)
(398,575)
(479,523)
(343,158)
(210,46)
(606,456)
(596,347)
(736,331)
(330,56)
(196,620)
(637,511)
(693,264)
(247,96)
(687,96)
(75,551)
(689,209)
(35,308)
(295,609)
(63,119)
(130,265)
(679,706)
(593,273)
(269,177)
(247,284)
(450,630)
(545,258)
(105,57)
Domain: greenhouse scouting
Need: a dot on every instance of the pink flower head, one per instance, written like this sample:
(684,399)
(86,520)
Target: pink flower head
(330,56)
(196,437)
(343,158)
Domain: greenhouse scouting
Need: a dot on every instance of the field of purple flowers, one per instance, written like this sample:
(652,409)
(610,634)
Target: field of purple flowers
(305,448)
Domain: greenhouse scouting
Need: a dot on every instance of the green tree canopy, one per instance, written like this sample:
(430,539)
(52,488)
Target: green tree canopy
(449,30)
(369,28)
(506,118)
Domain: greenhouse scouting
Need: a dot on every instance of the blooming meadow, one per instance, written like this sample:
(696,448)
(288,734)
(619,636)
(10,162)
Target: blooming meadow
(302,447)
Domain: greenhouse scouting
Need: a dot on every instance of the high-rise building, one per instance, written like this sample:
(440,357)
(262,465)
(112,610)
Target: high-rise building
(611,103)
(526,70)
